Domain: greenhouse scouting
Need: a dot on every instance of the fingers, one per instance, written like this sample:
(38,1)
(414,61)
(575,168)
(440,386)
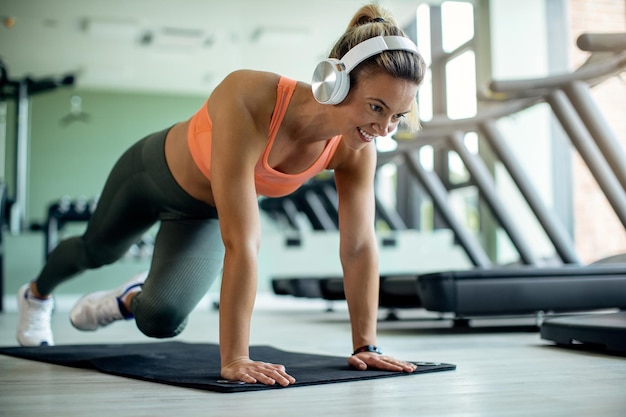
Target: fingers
(408,367)
(366,360)
(271,375)
(252,372)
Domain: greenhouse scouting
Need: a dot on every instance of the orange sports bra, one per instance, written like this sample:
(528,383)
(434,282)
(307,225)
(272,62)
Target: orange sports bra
(268,181)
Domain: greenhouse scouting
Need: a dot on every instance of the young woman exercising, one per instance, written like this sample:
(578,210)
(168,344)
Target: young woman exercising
(258,134)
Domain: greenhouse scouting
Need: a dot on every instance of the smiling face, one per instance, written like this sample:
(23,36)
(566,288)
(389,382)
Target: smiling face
(374,107)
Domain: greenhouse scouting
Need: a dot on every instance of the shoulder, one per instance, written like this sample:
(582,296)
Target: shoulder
(244,92)
(247,84)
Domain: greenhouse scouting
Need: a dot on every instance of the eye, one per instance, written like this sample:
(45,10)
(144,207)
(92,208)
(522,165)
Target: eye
(376,108)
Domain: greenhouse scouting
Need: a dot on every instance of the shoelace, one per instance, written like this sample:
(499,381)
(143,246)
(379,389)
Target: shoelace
(110,311)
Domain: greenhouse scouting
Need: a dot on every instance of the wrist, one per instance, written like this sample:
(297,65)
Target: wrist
(234,360)
(367,348)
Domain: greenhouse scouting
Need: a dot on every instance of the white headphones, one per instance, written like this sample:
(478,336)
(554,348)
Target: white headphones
(331,78)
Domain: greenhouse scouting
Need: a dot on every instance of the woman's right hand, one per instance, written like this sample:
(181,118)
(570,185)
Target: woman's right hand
(249,371)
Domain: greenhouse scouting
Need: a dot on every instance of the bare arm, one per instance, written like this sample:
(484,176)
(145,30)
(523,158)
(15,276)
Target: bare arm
(237,144)
(358,248)
(359,256)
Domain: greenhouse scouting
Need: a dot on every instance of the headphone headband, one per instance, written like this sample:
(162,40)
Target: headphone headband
(331,78)
(373,46)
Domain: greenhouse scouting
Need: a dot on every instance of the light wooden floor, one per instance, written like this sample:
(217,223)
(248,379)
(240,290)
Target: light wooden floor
(502,371)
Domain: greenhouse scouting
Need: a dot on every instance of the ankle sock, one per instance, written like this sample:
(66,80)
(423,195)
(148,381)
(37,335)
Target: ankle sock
(125,313)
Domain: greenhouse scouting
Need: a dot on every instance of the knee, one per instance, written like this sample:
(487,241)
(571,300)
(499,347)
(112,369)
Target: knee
(160,323)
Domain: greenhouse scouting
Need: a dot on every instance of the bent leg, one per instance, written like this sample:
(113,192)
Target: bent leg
(124,212)
(187,259)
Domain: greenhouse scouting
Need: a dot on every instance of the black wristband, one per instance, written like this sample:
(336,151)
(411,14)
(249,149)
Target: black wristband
(368,348)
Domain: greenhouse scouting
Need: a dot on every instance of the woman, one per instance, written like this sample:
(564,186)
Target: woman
(258,134)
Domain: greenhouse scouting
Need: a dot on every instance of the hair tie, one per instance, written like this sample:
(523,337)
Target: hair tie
(377,19)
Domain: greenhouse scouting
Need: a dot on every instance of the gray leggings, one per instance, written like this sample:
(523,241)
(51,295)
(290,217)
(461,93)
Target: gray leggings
(188,252)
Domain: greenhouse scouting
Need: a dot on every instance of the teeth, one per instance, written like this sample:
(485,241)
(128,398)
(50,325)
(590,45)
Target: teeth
(367,135)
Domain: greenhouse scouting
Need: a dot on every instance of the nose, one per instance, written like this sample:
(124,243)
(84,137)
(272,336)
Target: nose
(384,127)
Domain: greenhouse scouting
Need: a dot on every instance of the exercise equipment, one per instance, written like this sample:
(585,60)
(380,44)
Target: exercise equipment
(21,91)
(523,290)
(69,210)
(176,363)
(65,210)
(396,291)
(316,203)
(533,287)
(331,77)
(603,331)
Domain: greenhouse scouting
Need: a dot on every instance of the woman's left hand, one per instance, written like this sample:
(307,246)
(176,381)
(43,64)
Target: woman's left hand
(365,360)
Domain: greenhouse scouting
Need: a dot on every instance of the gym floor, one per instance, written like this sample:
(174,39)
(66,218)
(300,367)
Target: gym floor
(504,368)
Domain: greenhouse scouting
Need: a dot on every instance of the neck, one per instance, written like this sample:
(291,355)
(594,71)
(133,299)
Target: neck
(311,121)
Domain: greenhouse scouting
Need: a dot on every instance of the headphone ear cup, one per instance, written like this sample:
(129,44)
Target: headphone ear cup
(331,82)
(343,88)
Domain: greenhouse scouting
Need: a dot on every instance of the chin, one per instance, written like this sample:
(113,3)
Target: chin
(357,144)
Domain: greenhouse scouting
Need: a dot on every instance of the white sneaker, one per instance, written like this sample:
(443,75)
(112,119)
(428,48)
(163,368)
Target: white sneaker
(33,327)
(102,308)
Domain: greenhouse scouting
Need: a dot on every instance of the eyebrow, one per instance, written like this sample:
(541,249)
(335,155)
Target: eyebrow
(381,102)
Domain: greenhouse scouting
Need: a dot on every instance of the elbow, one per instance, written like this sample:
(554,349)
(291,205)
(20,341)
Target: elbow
(367,252)
(249,245)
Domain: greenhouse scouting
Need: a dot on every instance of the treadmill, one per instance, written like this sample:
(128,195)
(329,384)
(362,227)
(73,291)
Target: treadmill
(599,332)
(534,286)
(524,290)
(317,201)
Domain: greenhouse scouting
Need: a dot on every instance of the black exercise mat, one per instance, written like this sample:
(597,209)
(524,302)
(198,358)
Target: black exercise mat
(196,365)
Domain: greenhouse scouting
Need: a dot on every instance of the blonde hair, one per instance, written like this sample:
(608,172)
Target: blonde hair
(370,21)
